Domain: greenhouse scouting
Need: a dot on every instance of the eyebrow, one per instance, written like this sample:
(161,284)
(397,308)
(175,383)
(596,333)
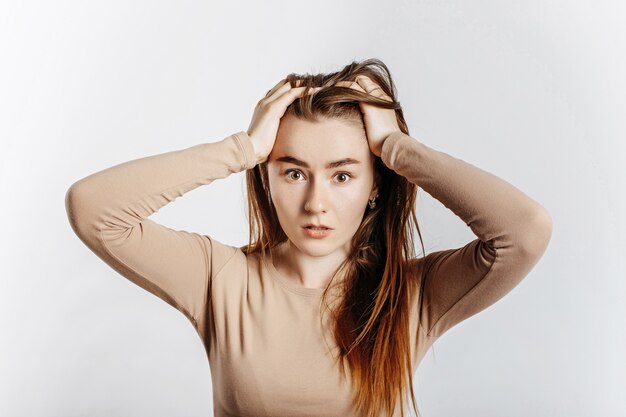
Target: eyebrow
(334,164)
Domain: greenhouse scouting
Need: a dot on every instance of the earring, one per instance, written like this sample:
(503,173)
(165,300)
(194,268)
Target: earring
(372,202)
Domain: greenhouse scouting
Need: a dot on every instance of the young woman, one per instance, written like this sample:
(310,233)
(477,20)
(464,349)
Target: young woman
(332,176)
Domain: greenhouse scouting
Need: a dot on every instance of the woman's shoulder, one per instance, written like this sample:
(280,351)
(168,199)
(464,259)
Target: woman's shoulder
(225,256)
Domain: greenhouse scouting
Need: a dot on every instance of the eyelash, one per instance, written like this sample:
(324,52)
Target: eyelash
(289,171)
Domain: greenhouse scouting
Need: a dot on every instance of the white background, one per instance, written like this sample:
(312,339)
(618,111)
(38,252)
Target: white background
(531,91)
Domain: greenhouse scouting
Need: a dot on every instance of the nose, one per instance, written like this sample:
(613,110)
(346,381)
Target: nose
(316,199)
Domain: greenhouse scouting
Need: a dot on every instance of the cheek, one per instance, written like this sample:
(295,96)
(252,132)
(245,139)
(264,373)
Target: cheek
(355,194)
(284,194)
(286,202)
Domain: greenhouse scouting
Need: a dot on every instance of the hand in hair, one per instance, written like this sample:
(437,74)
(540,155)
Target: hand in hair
(379,122)
(267,114)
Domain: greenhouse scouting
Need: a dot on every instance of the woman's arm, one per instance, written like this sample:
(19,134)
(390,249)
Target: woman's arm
(513,232)
(109,211)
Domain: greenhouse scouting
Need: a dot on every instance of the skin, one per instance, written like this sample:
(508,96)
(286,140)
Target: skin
(317,194)
(336,197)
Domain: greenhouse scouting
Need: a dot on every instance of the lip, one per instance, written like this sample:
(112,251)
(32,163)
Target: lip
(316,234)
(317,225)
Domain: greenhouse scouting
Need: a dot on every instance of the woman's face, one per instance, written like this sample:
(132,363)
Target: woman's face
(304,189)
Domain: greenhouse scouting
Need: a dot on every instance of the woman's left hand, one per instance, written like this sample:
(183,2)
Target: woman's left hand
(379,122)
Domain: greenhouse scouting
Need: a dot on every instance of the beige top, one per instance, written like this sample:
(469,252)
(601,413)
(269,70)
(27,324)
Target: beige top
(261,330)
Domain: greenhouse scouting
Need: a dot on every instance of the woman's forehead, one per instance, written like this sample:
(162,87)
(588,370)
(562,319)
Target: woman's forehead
(324,141)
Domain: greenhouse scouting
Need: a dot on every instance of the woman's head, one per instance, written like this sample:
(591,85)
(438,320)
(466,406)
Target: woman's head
(371,326)
(312,127)
(321,172)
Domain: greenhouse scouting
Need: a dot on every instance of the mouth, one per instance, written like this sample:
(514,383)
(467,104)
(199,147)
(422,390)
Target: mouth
(312,226)
(316,232)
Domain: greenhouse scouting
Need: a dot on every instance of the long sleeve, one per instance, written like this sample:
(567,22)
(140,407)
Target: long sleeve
(513,232)
(109,211)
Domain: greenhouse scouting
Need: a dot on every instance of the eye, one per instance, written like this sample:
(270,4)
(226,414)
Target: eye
(344,174)
(290,171)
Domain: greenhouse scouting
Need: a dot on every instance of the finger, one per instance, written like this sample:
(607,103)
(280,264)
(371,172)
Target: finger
(371,87)
(280,90)
(289,96)
(282,85)
(293,92)
(366,83)
(276,87)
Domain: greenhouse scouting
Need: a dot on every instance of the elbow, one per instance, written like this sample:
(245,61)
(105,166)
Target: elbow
(76,209)
(70,208)
(538,234)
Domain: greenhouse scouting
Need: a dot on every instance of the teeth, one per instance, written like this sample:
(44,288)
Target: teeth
(316,228)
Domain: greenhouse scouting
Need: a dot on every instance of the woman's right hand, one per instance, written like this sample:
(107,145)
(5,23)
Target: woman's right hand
(267,114)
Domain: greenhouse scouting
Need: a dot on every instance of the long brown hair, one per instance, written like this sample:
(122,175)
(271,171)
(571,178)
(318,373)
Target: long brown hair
(376,292)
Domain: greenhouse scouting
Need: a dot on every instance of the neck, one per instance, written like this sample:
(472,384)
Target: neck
(307,270)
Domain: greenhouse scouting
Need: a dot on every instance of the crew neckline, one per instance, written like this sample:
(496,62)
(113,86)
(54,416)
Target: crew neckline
(288,284)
